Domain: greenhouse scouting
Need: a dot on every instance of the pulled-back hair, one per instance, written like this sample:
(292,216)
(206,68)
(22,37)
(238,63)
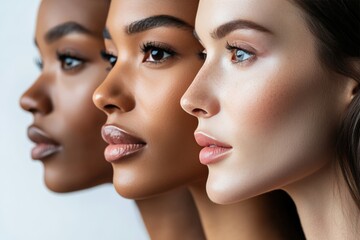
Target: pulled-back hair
(336,26)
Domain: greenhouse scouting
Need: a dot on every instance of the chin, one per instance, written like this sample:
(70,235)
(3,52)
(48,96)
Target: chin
(130,187)
(221,191)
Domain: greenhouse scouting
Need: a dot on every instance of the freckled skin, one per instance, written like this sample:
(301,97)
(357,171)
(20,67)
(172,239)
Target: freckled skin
(60,100)
(279,110)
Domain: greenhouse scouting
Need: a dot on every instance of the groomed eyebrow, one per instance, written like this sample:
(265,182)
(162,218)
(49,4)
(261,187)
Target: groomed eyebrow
(64,29)
(229,27)
(155,22)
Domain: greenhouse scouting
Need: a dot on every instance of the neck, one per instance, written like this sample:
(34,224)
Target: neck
(326,208)
(172,215)
(258,218)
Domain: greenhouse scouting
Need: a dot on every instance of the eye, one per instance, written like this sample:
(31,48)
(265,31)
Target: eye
(239,55)
(157,52)
(202,54)
(70,62)
(39,63)
(109,57)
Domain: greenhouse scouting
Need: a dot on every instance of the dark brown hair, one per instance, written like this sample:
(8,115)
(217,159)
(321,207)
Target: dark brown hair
(336,26)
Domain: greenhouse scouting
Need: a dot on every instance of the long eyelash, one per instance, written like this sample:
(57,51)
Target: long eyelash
(106,55)
(235,47)
(63,56)
(39,63)
(201,55)
(147,46)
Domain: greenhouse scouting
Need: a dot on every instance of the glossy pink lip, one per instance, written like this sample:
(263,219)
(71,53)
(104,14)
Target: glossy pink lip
(121,143)
(213,151)
(45,145)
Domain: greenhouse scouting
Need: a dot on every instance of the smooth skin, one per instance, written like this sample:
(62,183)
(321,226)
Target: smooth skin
(264,92)
(69,38)
(155,58)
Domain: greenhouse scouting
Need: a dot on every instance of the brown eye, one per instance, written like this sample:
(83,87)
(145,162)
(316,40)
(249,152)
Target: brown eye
(156,55)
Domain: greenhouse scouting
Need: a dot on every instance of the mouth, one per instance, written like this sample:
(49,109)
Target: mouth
(213,150)
(121,143)
(45,145)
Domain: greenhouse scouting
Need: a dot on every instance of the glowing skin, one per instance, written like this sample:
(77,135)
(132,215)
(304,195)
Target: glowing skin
(60,99)
(269,103)
(142,98)
(151,147)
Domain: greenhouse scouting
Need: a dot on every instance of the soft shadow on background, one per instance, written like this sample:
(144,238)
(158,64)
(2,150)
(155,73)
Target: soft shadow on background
(27,209)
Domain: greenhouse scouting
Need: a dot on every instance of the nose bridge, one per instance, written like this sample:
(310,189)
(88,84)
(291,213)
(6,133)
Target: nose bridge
(115,92)
(200,98)
(37,98)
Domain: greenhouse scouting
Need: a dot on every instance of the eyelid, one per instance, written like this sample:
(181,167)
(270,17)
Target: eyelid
(241,46)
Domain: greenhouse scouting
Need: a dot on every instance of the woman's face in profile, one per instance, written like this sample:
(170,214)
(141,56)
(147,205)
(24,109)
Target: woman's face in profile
(155,57)
(66,127)
(267,109)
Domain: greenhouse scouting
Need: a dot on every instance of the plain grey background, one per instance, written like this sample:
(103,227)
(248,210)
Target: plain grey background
(28,211)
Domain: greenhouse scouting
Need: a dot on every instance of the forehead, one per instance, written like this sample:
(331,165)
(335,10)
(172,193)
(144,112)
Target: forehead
(275,15)
(124,12)
(88,13)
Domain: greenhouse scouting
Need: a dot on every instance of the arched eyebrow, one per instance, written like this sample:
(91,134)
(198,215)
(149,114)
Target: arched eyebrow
(64,29)
(155,22)
(226,28)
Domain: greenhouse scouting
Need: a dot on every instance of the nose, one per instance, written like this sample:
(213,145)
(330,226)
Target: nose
(199,99)
(37,98)
(113,95)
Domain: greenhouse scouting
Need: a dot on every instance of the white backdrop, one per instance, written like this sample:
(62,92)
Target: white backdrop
(28,211)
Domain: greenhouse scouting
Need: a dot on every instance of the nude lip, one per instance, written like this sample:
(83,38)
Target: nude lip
(213,151)
(121,143)
(45,145)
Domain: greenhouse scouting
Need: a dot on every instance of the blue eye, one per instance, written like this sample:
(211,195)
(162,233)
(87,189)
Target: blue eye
(239,55)
(69,62)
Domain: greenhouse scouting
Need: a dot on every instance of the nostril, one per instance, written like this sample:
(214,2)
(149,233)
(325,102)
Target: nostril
(199,111)
(110,108)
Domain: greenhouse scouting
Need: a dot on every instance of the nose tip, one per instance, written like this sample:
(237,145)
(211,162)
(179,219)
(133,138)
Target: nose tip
(36,100)
(110,97)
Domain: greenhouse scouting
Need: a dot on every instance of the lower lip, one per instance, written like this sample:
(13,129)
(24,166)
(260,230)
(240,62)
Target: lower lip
(210,155)
(44,150)
(119,151)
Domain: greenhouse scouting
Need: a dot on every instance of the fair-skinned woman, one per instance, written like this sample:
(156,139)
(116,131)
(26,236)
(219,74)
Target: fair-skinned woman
(277,105)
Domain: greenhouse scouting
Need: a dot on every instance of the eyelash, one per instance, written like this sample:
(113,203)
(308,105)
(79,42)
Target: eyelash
(39,63)
(67,59)
(110,58)
(148,48)
(233,50)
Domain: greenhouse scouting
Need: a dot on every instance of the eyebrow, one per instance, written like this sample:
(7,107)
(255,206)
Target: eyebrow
(64,29)
(155,22)
(229,27)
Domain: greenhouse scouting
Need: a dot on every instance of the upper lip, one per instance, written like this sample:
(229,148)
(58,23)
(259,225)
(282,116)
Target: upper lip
(204,140)
(114,135)
(37,135)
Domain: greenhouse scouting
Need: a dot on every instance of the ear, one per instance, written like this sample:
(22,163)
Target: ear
(353,81)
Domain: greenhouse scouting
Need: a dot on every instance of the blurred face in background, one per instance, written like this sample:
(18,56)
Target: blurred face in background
(66,126)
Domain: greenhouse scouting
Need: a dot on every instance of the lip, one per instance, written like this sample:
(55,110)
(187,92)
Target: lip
(45,145)
(121,143)
(213,150)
